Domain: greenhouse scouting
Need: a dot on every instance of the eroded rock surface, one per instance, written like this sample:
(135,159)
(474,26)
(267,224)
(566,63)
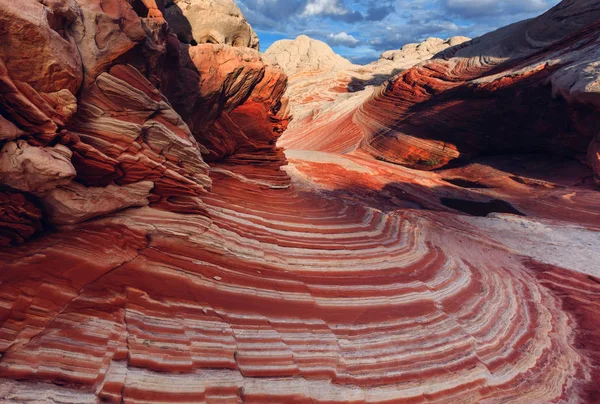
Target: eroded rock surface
(40,65)
(469,100)
(74,203)
(159,246)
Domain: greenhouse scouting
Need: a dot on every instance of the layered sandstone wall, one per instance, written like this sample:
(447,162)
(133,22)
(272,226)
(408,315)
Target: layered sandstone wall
(531,87)
(103,109)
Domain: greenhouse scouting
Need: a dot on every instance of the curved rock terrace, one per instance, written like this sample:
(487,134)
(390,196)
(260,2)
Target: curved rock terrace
(185,219)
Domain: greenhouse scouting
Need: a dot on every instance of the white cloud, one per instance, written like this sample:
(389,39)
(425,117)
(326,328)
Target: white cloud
(326,7)
(343,39)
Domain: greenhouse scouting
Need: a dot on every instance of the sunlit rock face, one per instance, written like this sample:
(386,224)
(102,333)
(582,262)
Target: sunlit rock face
(159,245)
(122,143)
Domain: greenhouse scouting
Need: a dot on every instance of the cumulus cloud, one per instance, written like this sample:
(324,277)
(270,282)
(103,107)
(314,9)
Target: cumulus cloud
(342,39)
(334,9)
(392,37)
(326,7)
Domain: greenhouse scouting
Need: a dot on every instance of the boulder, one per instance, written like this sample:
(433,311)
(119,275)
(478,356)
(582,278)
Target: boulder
(37,170)
(74,203)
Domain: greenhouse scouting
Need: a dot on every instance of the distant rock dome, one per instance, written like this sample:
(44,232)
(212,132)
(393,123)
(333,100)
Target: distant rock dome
(304,54)
(425,49)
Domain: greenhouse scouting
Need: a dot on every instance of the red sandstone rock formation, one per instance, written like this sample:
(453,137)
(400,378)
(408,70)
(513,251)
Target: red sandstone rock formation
(159,247)
(121,140)
(324,88)
(530,87)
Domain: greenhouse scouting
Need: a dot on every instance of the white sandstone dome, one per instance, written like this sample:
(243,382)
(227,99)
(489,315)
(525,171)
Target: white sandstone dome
(304,54)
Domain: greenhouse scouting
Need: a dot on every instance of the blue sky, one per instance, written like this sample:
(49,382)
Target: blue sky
(361,29)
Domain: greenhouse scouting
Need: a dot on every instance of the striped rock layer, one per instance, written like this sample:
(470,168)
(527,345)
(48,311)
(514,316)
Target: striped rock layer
(530,87)
(162,248)
(323,86)
(298,298)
